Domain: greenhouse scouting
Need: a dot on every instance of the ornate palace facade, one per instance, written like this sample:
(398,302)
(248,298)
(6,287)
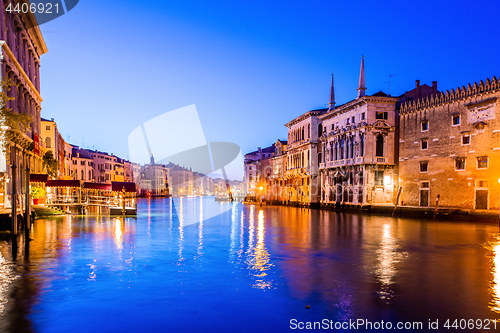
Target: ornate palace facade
(20,51)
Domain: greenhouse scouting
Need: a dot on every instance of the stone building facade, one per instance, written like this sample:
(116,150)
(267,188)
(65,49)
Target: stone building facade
(21,46)
(301,164)
(358,149)
(450,147)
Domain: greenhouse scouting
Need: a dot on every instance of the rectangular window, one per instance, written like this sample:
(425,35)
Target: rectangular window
(455,120)
(482,162)
(425,185)
(424,144)
(47,127)
(352,119)
(347,121)
(425,125)
(379,178)
(363,116)
(482,183)
(424,166)
(466,139)
(460,164)
(381,115)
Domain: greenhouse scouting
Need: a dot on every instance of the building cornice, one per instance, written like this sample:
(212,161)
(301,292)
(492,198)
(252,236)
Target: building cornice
(18,66)
(452,96)
(357,103)
(308,114)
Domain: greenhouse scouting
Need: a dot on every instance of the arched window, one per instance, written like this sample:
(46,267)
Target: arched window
(302,132)
(319,158)
(90,175)
(347,148)
(308,131)
(48,142)
(320,130)
(308,157)
(379,150)
(83,175)
(336,150)
(331,151)
(362,145)
(352,146)
(341,157)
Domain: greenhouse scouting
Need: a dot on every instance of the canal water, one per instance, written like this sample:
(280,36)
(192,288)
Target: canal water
(195,265)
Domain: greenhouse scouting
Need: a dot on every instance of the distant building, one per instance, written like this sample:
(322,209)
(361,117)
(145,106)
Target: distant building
(82,165)
(450,147)
(254,173)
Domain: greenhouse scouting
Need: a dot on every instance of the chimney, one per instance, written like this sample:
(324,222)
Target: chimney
(434,87)
(417,89)
(51,119)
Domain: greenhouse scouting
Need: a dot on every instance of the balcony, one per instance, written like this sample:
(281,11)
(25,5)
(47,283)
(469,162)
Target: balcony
(355,161)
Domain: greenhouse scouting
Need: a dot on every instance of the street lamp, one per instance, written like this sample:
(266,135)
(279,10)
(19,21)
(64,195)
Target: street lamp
(261,188)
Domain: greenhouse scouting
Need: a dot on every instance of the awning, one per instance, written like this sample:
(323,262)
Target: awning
(118,186)
(38,178)
(63,183)
(97,186)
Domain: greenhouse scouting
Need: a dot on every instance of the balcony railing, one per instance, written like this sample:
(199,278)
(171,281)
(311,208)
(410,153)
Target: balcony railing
(354,161)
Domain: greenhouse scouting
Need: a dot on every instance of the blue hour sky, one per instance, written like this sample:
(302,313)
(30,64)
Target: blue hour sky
(249,67)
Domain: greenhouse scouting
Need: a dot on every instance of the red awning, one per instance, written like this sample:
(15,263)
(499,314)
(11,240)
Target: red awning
(38,178)
(97,186)
(118,186)
(63,183)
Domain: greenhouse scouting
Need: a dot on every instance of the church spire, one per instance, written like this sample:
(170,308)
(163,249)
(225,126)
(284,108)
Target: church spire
(331,104)
(361,86)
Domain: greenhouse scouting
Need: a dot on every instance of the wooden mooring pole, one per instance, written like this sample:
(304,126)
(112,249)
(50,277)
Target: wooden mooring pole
(14,199)
(397,201)
(437,204)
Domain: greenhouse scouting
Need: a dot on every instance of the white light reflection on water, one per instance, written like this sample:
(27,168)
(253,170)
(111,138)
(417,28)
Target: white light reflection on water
(118,233)
(495,270)
(199,250)
(6,278)
(258,259)
(181,230)
(387,258)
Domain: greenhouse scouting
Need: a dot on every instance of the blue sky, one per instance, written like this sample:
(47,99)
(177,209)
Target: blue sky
(249,67)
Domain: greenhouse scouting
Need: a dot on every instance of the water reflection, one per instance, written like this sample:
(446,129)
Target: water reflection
(494,247)
(388,257)
(249,262)
(258,259)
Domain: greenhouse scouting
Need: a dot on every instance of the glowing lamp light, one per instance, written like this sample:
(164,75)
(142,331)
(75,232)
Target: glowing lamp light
(261,188)
(499,180)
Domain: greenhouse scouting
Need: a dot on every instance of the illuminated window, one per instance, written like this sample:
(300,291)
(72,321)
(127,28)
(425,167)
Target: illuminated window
(381,115)
(482,162)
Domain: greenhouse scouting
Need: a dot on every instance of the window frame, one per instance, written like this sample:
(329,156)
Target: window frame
(453,120)
(487,162)
(455,163)
(464,136)
(426,144)
(426,163)
(426,122)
